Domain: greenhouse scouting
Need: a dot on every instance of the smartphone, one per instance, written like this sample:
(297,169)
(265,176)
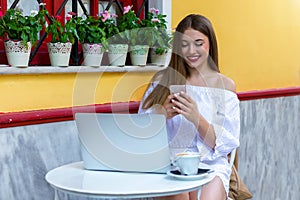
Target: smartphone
(177,88)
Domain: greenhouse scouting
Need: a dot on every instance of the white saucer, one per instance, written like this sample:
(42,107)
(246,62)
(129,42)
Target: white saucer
(202,174)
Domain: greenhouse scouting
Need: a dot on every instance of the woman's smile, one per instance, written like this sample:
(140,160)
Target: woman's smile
(193,58)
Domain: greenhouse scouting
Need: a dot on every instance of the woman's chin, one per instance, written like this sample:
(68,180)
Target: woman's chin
(194,65)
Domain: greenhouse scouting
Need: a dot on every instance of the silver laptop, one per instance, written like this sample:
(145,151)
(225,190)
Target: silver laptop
(124,142)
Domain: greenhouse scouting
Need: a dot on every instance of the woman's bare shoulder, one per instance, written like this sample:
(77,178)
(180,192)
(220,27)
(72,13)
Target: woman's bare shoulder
(227,83)
(221,81)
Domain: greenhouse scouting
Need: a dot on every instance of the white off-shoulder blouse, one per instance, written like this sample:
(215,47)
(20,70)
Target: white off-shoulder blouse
(220,108)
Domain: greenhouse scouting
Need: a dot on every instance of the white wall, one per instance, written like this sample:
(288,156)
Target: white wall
(25,5)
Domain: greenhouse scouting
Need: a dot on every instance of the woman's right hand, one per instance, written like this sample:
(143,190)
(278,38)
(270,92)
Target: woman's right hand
(168,107)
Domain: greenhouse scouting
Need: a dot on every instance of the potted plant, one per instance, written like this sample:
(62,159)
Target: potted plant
(63,35)
(112,31)
(161,38)
(21,33)
(118,42)
(136,35)
(127,22)
(93,38)
(115,43)
(161,50)
(139,45)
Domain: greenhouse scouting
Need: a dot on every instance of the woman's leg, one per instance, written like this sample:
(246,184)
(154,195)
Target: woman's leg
(214,190)
(183,196)
(193,195)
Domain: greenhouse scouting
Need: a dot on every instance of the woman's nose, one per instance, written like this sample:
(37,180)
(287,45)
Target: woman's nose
(191,49)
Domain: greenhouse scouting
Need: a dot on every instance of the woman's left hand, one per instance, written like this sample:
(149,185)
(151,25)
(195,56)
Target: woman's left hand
(186,106)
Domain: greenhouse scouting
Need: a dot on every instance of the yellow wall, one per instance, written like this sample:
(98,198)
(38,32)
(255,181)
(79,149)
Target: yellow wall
(259,41)
(47,91)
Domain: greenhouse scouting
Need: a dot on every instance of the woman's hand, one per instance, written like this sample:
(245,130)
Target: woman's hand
(185,105)
(169,107)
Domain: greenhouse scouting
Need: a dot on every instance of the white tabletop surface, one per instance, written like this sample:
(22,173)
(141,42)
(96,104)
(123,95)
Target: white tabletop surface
(72,178)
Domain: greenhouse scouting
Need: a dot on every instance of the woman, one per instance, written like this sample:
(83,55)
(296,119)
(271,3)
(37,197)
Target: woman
(205,118)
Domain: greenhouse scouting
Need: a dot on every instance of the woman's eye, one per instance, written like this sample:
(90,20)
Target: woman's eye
(199,44)
(184,44)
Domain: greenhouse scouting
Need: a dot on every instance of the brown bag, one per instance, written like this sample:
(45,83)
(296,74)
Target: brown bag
(237,188)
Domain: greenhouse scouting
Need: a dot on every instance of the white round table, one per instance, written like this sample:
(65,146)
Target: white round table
(73,178)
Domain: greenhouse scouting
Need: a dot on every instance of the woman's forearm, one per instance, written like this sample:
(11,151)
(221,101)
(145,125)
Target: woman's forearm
(206,131)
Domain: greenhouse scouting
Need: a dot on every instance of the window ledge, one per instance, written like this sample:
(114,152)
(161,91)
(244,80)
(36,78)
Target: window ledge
(4,69)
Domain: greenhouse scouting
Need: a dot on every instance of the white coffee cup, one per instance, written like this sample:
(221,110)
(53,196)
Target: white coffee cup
(188,162)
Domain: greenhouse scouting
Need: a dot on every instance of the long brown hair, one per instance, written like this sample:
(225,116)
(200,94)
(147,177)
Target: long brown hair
(177,72)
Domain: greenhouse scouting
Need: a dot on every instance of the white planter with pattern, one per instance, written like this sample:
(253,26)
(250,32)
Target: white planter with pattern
(92,54)
(59,53)
(139,54)
(117,54)
(17,53)
(160,59)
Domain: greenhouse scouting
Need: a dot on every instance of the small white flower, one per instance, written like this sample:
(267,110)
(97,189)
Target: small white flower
(84,17)
(42,4)
(155,20)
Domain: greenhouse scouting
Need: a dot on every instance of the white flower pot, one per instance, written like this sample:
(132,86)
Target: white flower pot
(160,60)
(17,53)
(92,54)
(117,54)
(59,53)
(139,54)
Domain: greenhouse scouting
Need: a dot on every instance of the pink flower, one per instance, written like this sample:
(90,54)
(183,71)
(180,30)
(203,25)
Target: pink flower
(1,13)
(126,9)
(155,20)
(105,15)
(72,13)
(68,17)
(154,10)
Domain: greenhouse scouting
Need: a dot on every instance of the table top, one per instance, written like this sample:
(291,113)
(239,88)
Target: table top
(73,178)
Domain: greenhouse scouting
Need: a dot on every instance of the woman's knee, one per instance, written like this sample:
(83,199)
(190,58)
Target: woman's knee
(214,190)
